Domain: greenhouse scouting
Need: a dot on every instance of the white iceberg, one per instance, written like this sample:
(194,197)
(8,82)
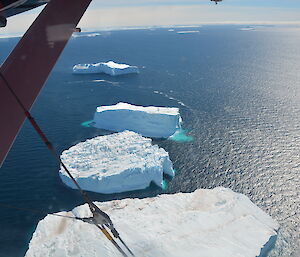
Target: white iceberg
(155,122)
(247,29)
(188,32)
(110,68)
(116,163)
(206,223)
(81,34)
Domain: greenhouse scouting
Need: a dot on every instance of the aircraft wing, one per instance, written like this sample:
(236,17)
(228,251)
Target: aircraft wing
(26,69)
(12,7)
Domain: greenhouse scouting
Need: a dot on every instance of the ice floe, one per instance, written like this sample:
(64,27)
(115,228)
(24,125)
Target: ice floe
(247,29)
(116,163)
(82,34)
(207,223)
(151,121)
(188,32)
(110,68)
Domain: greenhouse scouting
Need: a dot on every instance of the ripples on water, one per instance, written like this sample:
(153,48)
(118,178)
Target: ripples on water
(239,96)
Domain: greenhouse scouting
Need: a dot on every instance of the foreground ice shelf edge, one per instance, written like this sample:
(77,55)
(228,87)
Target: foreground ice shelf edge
(116,163)
(207,223)
(151,121)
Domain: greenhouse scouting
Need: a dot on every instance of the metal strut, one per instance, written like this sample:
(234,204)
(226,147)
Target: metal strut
(100,218)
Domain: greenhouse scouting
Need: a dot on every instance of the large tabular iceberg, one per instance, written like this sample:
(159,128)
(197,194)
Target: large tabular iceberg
(156,122)
(206,223)
(110,68)
(116,163)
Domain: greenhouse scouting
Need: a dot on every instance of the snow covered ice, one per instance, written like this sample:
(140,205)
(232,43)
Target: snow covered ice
(110,68)
(116,163)
(155,122)
(206,223)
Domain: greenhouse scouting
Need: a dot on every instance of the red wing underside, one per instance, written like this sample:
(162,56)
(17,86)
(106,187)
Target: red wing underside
(29,64)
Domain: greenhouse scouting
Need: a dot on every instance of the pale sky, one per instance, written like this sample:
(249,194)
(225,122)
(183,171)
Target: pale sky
(140,13)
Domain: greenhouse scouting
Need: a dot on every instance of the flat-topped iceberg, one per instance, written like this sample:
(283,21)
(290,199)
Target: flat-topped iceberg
(116,163)
(155,122)
(110,68)
(207,223)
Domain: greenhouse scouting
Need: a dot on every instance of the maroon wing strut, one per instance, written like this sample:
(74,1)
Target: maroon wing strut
(29,64)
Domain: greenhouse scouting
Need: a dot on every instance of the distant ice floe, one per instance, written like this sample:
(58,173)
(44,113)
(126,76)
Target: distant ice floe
(208,223)
(188,32)
(116,163)
(8,35)
(151,121)
(81,34)
(247,29)
(114,83)
(110,68)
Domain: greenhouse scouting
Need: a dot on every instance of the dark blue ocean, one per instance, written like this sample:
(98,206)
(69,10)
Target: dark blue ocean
(239,97)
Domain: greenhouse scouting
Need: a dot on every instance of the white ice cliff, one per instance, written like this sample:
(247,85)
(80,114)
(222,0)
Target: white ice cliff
(110,68)
(156,122)
(205,223)
(116,163)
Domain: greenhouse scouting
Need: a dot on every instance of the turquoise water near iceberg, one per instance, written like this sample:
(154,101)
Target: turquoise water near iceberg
(181,136)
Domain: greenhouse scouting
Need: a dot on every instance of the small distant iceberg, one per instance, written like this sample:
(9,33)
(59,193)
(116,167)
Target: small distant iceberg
(82,34)
(9,35)
(247,28)
(116,163)
(154,122)
(208,222)
(110,68)
(188,32)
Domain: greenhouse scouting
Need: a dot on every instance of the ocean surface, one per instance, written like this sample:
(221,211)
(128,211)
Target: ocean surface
(239,96)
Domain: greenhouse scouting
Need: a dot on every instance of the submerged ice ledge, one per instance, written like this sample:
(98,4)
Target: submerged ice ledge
(116,163)
(110,68)
(155,122)
(207,223)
